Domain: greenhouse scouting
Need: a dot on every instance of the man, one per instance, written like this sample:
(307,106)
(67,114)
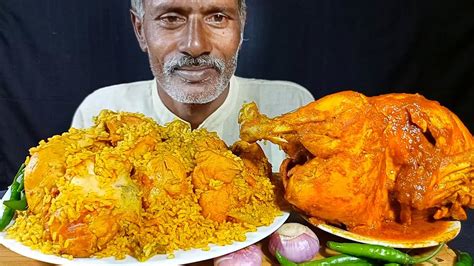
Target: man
(192,46)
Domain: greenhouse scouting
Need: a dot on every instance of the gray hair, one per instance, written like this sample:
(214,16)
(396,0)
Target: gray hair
(137,7)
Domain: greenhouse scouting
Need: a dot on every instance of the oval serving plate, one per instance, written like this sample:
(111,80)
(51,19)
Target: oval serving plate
(180,256)
(452,230)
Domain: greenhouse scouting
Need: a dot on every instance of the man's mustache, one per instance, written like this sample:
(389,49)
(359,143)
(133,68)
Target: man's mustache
(188,61)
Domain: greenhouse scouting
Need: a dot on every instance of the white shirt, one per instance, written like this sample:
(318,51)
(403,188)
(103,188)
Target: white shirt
(273,98)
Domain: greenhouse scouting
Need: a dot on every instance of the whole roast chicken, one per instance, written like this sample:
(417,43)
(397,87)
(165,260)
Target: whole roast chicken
(358,161)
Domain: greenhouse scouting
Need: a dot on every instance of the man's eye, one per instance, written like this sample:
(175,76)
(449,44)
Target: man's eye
(171,20)
(218,19)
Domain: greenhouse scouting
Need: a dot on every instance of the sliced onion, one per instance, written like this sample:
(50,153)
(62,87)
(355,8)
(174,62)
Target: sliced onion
(249,256)
(294,241)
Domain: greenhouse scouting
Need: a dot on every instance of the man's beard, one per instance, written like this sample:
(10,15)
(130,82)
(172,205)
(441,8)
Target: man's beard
(173,85)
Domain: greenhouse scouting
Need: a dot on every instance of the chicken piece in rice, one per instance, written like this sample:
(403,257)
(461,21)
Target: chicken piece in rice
(128,186)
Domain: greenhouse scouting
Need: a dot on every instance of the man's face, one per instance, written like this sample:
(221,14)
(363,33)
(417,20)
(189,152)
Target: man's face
(192,46)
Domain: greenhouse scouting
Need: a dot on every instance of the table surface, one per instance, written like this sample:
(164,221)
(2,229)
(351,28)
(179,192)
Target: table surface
(7,257)
(446,257)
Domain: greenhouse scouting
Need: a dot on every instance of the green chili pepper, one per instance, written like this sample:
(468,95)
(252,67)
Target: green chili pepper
(335,260)
(464,259)
(6,217)
(21,187)
(392,264)
(17,185)
(13,191)
(284,261)
(16,204)
(15,195)
(379,252)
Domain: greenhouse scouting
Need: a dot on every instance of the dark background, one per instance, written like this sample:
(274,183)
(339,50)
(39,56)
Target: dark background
(54,52)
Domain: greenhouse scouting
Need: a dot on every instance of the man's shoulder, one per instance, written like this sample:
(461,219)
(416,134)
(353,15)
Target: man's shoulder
(117,95)
(120,89)
(280,87)
(132,97)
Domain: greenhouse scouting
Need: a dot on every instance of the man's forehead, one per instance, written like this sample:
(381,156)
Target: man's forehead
(191,4)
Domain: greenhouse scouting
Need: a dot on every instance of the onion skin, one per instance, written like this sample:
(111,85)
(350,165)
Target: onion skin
(294,241)
(249,256)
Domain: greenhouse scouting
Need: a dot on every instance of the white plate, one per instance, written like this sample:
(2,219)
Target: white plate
(452,230)
(181,256)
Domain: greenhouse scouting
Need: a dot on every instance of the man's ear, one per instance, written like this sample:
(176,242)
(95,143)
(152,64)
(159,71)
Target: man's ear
(137,24)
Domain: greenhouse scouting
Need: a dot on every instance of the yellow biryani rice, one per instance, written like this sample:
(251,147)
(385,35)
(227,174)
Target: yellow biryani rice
(127,186)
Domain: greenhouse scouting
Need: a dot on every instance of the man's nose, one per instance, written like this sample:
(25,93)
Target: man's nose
(196,41)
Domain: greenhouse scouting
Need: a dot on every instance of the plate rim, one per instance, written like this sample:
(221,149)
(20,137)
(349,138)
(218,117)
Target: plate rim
(181,256)
(334,230)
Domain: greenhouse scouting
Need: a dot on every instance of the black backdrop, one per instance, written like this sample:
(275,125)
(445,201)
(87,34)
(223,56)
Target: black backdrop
(55,52)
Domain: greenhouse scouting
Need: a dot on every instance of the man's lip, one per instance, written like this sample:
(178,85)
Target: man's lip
(201,67)
(195,74)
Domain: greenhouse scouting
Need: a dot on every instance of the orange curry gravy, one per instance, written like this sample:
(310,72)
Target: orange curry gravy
(420,229)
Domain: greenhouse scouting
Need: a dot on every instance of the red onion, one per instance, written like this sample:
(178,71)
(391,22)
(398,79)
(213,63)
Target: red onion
(294,241)
(249,256)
